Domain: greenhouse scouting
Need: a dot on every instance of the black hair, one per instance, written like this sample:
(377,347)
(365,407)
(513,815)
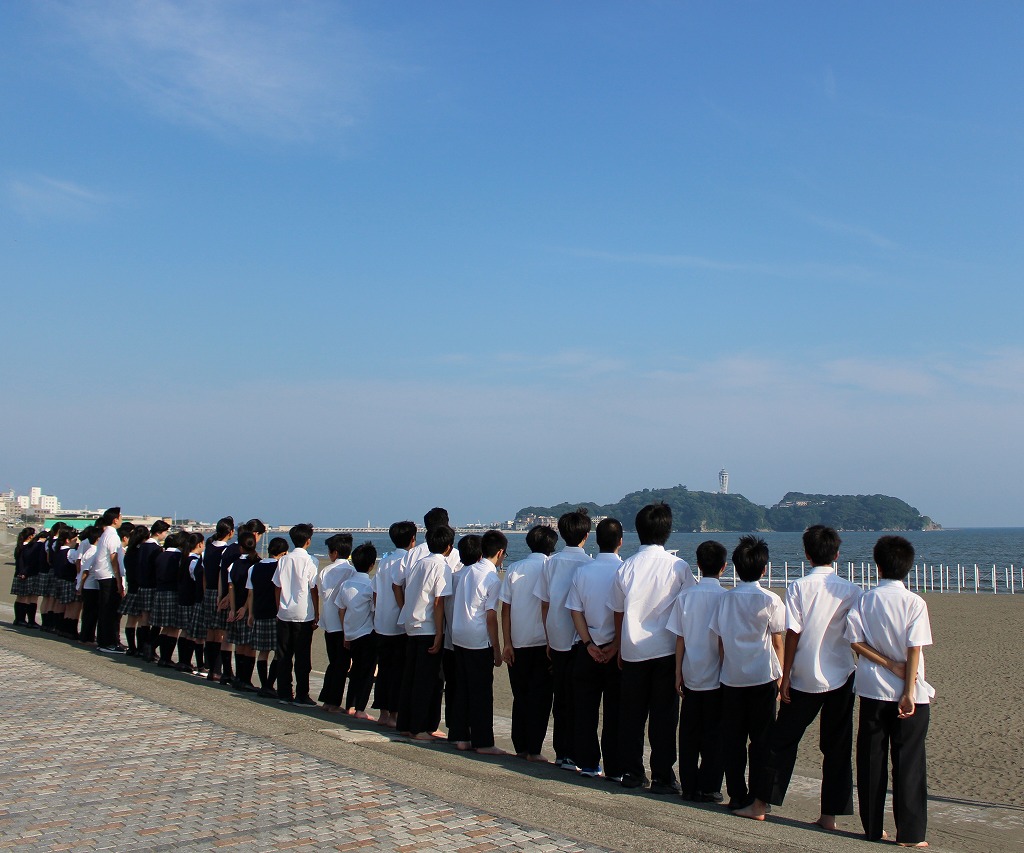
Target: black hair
(821,544)
(470,549)
(574,526)
(225,527)
(363,557)
(491,543)
(542,539)
(159,526)
(277,546)
(193,540)
(750,557)
(109,515)
(65,534)
(139,535)
(341,544)
(435,517)
(125,530)
(176,539)
(654,524)
(23,537)
(300,535)
(609,534)
(711,558)
(402,533)
(440,539)
(894,556)
(256,526)
(247,542)
(92,533)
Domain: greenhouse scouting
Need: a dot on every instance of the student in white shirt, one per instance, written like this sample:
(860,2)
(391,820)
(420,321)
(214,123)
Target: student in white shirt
(339,570)
(390,635)
(475,637)
(297,614)
(698,678)
(435,517)
(644,592)
(88,589)
(552,589)
(751,622)
(817,677)
(426,585)
(456,700)
(889,628)
(108,573)
(353,600)
(595,673)
(525,649)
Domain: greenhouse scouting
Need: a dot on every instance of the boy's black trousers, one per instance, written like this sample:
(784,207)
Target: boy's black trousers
(562,703)
(529,676)
(390,666)
(422,687)
(700,741)
(593,683)
(294,643)
(474,696)
(338,661)
(363,653)
(882,734)
(648,689)
(747,714)
(835,741)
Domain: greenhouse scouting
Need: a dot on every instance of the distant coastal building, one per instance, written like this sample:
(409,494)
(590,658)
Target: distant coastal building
(723,482)
(33,506)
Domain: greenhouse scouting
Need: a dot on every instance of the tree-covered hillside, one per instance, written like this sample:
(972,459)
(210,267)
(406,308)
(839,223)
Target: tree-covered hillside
(707,511)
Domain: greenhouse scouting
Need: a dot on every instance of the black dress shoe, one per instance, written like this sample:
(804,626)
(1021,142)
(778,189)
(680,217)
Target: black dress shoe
(631,780)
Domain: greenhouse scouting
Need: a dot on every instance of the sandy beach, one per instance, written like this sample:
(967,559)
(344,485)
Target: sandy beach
(974,750)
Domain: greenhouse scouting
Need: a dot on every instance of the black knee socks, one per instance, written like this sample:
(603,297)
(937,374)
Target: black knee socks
(19,613)
(261,669)
(185,647)
(129,635)
(166,648)
(30,614)
(213,657)
(225,666)
(198,652)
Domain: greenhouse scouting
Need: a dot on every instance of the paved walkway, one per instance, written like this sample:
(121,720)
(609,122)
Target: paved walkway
(77,778)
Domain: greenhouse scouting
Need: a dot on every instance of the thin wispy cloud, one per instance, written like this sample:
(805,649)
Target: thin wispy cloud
(794,270)
(274,70)
(847,229)
(41,197)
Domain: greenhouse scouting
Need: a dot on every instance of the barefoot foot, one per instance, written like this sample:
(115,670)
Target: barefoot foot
(755,811)
(491,750)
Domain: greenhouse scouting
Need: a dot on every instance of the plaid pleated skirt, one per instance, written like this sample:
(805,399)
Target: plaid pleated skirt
(239,632)
(264,635)
(42,584)
(131,605)
(187,617)
(146,594)
(65,591)
(21,586)
(165,609)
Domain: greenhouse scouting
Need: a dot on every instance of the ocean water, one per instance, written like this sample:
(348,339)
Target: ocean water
(987,546)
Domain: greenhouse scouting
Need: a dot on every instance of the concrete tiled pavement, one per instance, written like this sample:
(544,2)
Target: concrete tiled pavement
(89,767)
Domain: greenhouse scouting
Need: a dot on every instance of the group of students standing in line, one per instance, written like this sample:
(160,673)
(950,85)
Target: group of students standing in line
(601,647)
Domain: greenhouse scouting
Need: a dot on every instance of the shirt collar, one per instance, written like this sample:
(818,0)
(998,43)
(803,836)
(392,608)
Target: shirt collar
(710,581)
(823,570)
(652,547)
(607,557)
(572,549)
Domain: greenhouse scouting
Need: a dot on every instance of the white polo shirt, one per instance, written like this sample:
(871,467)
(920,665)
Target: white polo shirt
(427,580)
(386,609)
(355,597)
(295,576)
(88,558)
(590,594)
(644,592)
(691,620)
(332,577)
(107,547)
(891,619)
(517,591)
(816,608)
(553,587)
(746,618)
(477,593)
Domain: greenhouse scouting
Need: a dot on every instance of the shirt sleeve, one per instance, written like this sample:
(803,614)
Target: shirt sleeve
(714,624)
(491,596)
(617,596)
(794,609)
(505,592)
(675,618)
(686,574)
(277,574)
(248,579)
(777,616)
(573,601)
(854,626)
(541,589)
(919,629)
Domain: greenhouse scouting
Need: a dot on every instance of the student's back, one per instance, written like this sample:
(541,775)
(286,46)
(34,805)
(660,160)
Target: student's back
(816,607)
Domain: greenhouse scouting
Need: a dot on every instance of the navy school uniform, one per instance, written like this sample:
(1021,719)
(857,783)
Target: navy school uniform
(264,606)
(165,595)
(210,565)
(188,601)
(239,631)
(131,605)
(64,571)
(33,558)
(146,572)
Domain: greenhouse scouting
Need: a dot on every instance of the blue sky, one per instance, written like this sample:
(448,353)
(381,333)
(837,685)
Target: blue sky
(343,262)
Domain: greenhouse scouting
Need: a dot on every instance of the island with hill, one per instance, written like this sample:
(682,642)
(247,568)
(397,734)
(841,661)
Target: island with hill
(713,512)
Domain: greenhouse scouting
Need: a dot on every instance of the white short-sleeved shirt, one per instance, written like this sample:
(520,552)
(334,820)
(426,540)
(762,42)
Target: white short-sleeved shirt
(477,593)
(891,619)
(590,594)
(355,597)
(107,547)
(553,587)
(386,610)
(691,620)
(295,576)
(816,608)
(644,592)
(88,558)
(333,576)
(746,619)
(427,580)
(517,591)
(414,555)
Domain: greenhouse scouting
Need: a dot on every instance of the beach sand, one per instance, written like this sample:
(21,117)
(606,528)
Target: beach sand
(974,741)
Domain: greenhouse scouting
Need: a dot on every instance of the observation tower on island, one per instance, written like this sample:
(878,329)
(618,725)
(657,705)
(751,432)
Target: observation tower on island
(723,482)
